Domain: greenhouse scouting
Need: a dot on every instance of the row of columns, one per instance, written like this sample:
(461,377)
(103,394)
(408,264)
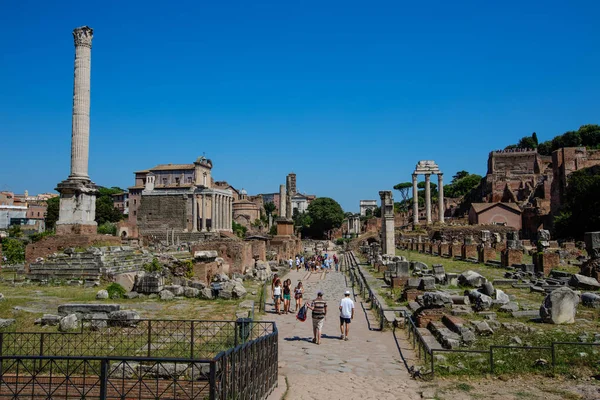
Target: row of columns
(221,212)
(354,225)
(428,198)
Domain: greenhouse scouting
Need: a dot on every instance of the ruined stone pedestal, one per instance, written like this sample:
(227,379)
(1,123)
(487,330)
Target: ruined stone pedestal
(285,227)
(399,282)
(77,207)
(469,251)
(443,249)
(456,250)
(499,247)
(510,257)
(544,262)
(429,248)
(486,254)
(422,247)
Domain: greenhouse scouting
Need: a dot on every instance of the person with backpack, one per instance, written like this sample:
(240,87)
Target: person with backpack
(298,291)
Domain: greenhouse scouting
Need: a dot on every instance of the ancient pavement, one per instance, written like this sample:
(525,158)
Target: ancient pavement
(367,366)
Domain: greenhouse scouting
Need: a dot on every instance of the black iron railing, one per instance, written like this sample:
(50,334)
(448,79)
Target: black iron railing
(153,359)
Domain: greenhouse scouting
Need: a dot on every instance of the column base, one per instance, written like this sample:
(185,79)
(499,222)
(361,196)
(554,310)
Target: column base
(77,211)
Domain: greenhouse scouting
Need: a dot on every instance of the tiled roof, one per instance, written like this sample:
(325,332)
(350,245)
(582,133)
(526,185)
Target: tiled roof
(172,167)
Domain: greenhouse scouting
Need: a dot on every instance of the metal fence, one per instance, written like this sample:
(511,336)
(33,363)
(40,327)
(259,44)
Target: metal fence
(154,359)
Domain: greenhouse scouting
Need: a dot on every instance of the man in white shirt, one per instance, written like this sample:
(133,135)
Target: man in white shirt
(346,314)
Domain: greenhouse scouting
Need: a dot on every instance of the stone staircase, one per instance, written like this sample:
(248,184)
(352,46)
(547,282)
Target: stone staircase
(89,264)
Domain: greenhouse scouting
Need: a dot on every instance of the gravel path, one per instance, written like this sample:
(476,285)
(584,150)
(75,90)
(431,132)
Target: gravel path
(366,366)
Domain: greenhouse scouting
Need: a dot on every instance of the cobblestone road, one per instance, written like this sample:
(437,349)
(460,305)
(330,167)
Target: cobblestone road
(367,366)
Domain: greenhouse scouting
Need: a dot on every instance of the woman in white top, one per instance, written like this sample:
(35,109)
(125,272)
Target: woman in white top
(277,295)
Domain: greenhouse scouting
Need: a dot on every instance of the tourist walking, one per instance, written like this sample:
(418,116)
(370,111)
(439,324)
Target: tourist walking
(277,295)
(298,292)
(346,314)
(287,295)
(319,311)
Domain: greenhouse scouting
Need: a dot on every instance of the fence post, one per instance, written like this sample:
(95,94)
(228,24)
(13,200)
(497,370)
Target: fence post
(41,351)
(104,378)
(553,357)
(192,340)
(149,337)
(432,369)
(491,360)
(212,380)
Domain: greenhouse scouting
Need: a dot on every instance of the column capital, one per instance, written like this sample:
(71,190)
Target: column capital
(427,176)
(440,174)
(83,36)
(415,175)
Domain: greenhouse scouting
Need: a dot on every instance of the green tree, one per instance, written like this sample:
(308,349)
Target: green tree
(15,231)
(239,229)
(105,209)
(528,142)
(459,175)
(581,210)
(269,207)
(460,187)
(545,148)
(52,213)
(14,250)
(326,214)
(403,188)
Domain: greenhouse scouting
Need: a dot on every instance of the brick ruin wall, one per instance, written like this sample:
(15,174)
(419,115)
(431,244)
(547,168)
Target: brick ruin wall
(237,253)
(57,243)
(159,213)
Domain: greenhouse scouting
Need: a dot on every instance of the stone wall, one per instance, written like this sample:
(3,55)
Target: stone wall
(164,212)
(237,253)
(285,247)
(54,244)
(89,264)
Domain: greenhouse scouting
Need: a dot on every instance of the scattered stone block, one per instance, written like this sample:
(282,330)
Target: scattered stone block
(502,297)
(166,295)
(68,323)
(177,290)
(483,328)
(560,306)
(526,314)
(471,278)
(451,279)
(448,339)
(84,309)
(191,292)
(590,300)
(6,322)
(436,299)
(427,283)
(102,295)
(584,282)
(488,289)
(509,307)
(123,318)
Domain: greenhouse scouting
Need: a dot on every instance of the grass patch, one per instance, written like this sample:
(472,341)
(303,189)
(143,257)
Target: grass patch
(465,387)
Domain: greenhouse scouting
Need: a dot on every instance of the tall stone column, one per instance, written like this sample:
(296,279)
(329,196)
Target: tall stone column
(229,227)
(77,211)
(203,213)
(213,213)
(415,200)
(194,213)
(282,202)
(80,132)
(441,197)
(428,197)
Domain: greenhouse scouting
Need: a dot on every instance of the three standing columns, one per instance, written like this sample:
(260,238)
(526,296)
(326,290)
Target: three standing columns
(428,198)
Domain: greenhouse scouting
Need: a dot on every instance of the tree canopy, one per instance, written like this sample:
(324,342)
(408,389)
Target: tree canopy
(461,184)
(105,209)
(325,214)
(269,207)
(581,210)
(52,213)
(586,136)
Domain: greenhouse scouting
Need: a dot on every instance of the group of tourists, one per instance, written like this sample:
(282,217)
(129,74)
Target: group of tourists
(315,263)
(282,294)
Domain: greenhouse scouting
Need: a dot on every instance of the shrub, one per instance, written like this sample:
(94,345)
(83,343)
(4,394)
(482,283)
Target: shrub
(115,291)
(154,266)
(107,228)
(14,250)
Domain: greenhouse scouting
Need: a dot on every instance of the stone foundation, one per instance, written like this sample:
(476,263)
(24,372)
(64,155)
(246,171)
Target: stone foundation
(510,257)
(486,254)
(469,251)
(237,253)
(499,247)
(444,249)
(456,250)
(545,262)
(54,244)
(76,229)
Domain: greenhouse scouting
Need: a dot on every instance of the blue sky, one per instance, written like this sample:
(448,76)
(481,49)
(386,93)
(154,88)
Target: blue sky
(349,95)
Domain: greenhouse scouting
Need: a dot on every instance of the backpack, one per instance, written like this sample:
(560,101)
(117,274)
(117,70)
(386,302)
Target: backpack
(302,314)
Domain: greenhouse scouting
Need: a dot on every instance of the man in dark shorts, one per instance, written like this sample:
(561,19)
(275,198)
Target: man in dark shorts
(346,314)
